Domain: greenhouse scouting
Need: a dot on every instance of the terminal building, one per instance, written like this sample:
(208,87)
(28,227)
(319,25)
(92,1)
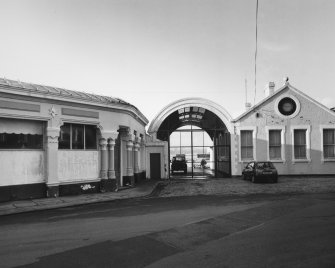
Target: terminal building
(56,142)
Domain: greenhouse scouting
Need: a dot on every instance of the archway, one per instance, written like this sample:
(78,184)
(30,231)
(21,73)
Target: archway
(193,117)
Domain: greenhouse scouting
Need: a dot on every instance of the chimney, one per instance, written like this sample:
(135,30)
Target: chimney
(247,106)
(269,89)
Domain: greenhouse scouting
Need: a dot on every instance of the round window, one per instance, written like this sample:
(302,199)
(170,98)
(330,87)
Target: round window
(287,106)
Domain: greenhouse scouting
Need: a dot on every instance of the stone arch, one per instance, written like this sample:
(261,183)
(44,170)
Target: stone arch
(182,103)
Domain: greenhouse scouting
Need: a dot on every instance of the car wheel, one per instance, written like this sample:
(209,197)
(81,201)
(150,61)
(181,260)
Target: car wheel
(253,179)
(275,180)
(243,177)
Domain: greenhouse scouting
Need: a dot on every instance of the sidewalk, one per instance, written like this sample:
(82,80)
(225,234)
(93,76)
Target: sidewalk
(142,189)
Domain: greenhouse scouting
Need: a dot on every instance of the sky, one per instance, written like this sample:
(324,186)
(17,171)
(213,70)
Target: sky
(153,52)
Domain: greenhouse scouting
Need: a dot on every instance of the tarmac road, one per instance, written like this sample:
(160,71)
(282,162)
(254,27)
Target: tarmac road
(198,231)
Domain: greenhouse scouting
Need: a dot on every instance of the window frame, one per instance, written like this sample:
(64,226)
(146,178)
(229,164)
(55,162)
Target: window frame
(287,116)
(322,127)
(254,136)
(84,138)
(282,143)
(308,143)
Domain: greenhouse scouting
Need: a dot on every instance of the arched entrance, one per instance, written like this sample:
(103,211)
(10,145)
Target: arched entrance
(203,128)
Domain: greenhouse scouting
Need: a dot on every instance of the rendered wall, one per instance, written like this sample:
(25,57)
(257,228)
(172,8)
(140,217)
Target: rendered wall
(310,115)
(78,166)
(21,167)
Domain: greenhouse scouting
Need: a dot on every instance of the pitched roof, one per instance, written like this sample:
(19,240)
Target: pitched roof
(66,95)
(277,92)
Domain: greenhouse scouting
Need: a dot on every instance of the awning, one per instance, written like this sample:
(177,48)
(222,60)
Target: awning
(19,126)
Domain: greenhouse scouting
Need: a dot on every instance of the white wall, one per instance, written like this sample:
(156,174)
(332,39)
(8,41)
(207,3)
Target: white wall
(21,167)
(78,166)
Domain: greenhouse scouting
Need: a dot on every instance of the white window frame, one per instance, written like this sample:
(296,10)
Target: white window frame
(308,143)
(282,138)
(287,116)
(322,127)
(254,136)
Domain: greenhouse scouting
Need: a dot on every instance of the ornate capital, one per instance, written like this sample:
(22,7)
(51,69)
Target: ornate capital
(137,146)
(103,144)
(111,144)
(130,145)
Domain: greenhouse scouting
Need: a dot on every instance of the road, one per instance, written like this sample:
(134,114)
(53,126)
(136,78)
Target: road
(199,231)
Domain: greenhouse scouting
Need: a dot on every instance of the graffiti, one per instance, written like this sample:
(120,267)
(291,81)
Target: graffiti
(86,187)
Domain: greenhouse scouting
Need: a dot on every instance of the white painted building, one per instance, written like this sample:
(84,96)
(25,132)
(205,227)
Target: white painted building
(60,142)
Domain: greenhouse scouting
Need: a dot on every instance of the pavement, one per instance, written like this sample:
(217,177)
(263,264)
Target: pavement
(142,189)
(178,187)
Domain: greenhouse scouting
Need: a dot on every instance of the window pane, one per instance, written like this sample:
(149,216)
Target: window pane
(207,140)
(77,136)
(300,136)
(329,143)
(198,138)
(274,137)
(329,136)
(175,139)
(20,141)
(246,137)
(300,143)
(246,144)
(90,137)
(64,137)
(174,151)
(185,138)
(275,152)
(275,144)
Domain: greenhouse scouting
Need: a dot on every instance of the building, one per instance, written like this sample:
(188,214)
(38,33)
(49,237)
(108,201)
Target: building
(58,142)
(289,128)
(61,142)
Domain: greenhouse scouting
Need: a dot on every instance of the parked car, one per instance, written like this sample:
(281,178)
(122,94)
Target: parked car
(260,171)
(179,164)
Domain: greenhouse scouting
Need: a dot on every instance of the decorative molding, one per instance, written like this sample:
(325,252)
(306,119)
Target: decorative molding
(79,113)
(23,106)
(53,111)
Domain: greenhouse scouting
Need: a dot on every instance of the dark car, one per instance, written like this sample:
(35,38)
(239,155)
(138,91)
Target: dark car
(260,171)
(179,164)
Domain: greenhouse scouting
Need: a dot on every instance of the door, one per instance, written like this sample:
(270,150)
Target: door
(155,166)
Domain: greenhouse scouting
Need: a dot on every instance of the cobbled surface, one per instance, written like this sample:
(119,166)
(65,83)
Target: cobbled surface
(237,186)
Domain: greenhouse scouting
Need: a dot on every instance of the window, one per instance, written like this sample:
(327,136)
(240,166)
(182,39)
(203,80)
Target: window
(275,144)
(287,106)
(329,143)
(21,134)
(300,145)
(77,137)
(246,145)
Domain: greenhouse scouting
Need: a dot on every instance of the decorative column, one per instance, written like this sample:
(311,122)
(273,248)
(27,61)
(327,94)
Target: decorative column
(129,170)
(52,134)
(104,163)
(136,152)
(111,169)
(52,161)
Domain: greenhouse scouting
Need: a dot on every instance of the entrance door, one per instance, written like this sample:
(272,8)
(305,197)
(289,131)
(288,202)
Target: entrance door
(155,166)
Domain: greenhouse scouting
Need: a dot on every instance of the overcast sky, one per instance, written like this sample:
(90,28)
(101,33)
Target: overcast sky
(153,52)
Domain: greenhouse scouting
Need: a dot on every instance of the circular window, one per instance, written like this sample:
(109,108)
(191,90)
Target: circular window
(287,106)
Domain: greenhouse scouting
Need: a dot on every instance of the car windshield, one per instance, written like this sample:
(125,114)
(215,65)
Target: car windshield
(178,158)
(262,165)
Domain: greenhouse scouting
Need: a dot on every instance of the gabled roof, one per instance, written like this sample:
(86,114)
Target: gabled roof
(276,93)
(41,91)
